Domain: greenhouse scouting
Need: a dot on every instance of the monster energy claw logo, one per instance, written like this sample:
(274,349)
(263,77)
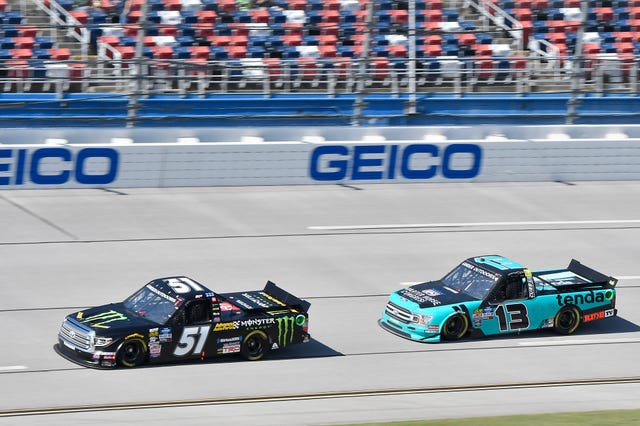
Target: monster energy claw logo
(100,320)
(285,330)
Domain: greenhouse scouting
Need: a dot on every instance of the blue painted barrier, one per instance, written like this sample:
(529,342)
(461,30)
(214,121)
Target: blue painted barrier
(33,109)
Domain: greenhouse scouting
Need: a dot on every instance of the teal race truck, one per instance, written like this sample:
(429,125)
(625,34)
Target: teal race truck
(490,295)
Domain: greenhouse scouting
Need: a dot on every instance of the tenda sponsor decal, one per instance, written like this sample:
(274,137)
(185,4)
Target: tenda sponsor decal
(57,166)
(378,162)
(579,298)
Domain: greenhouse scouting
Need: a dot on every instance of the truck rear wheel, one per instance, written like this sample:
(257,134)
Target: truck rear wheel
(455,327)
(567,320)
(254,345)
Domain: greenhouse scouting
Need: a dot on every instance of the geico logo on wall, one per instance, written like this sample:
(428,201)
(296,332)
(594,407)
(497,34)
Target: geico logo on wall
(388,162)
(57,166)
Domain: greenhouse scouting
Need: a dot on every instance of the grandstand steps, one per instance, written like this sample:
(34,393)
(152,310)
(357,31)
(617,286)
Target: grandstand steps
(33,16)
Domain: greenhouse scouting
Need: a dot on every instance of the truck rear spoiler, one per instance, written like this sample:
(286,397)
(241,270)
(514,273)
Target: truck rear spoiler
(285,297)
(591,274)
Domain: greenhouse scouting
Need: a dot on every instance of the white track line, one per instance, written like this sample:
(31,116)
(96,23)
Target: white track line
(13,367)
(579,342)
(472,224)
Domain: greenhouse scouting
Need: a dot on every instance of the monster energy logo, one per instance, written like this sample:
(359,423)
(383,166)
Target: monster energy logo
(285,330)
(100,320)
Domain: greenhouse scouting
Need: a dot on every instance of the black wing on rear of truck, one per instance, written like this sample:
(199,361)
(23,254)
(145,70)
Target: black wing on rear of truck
(575,277)
(270,298)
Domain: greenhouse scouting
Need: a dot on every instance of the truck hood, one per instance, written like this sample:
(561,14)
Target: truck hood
(433,293)
(113,317)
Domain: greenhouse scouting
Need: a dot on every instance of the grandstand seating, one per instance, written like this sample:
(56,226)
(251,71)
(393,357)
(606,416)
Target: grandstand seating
(317,38)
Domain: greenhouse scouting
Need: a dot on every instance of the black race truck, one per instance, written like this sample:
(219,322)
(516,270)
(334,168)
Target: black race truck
(178,318)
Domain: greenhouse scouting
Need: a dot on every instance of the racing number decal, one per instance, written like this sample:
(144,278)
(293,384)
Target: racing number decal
(192,340)
(183,285)
(518,317)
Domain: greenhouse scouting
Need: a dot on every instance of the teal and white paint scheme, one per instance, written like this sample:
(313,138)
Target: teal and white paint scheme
(489,295)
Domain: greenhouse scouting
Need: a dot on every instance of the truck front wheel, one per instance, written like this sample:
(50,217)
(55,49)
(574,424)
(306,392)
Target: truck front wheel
(455,327)
(132,353)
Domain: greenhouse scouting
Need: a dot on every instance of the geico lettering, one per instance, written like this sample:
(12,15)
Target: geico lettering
(579,298)
(377,162)
(57,166)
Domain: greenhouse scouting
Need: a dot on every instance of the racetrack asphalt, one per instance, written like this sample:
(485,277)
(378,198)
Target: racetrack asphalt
(343,248)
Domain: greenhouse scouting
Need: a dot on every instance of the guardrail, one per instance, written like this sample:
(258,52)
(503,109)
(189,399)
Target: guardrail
(602,73)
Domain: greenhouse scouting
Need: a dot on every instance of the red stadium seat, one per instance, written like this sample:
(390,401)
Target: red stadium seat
(397,50)
(204,29)
(332,16)
(434,5)
(432,49)
(168,30)
(237,52)
(293,28)
(241,30)
(521,13)
(434,40)
(380,69)
(81,15)
(217,40)
(260,16)
(27,30)
(60,53)
(591,48)
(162,52)
(307,69)
(206,16)
(483,67)
(540,4)
(239,40)
(199,52)
(327,39)
(604,13)
(297,4)
(291,40)
(226,5)
(466,39)
(624,36)
(172,4)
(21,53)
(399,16)
(24,42)
(433,15)
(274,68)
(327,50)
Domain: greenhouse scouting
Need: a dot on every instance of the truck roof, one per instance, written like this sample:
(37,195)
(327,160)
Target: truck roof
(497,263)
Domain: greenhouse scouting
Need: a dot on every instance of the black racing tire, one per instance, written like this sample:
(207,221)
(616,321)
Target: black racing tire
(567,320)
(455,327)
(132,353)
(254,345)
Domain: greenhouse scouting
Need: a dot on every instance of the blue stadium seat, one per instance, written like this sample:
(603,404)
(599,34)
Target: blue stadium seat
(189,16)
(184,40)
(255,52)
(181,52)
(43,42)
(41,53)
(13,17)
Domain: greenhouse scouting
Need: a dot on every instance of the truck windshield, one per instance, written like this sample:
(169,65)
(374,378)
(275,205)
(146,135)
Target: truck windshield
(471,279)
(151,304)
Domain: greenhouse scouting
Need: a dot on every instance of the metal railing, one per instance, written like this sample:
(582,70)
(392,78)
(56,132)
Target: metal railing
(602,73)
